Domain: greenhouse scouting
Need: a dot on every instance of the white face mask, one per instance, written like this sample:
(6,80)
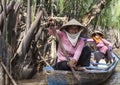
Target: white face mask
(73,38)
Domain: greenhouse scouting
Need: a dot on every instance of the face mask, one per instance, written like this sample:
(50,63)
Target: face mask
(96,39)
(73,38)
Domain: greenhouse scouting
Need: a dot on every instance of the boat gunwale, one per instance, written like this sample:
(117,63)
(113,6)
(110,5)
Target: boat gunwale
(105,70)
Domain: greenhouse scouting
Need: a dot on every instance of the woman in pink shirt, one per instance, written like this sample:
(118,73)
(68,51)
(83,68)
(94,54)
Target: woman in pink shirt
(103,46)
(78,54)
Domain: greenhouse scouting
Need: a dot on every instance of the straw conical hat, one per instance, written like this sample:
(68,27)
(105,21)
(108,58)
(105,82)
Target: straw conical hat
(97,32)
(74,22)
(71,22)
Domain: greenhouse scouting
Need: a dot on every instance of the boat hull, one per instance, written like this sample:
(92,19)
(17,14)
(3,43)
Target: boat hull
(93,76)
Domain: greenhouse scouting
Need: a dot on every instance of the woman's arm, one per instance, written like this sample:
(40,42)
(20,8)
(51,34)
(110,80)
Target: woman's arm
(60,33)
(107,43)
(87,39)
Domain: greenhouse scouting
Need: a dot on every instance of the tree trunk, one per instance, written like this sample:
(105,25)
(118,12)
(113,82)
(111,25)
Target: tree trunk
(8,9)
(96,9)
(28,20)
(12,26)
(25,43)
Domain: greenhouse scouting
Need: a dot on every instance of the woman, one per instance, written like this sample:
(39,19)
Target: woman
(103,46)
(78,54)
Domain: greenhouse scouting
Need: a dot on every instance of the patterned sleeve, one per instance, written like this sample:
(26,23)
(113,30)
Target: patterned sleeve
(107,42)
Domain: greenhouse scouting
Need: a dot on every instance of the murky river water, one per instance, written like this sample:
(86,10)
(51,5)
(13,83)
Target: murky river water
(115,78)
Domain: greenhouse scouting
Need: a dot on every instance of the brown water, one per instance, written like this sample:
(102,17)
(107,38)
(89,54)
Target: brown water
(115,78)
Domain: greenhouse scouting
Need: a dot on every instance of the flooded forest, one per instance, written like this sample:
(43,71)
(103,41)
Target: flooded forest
(25,45)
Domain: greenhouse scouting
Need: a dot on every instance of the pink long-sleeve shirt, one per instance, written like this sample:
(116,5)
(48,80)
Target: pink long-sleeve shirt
(73,52)
(102,46)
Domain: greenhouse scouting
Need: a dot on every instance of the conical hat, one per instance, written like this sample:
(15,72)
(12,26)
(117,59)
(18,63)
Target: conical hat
(97,32)
(73,22)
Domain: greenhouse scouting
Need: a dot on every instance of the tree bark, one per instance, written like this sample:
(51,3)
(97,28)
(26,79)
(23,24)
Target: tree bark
(7,72)
(25,43)
(28,20)
(96,9)
(12,25)
(8,9)
(0,8)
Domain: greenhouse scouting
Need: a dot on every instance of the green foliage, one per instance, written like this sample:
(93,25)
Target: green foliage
(110,16)
(116,14)
(60,6)
(34,3)
(74,8)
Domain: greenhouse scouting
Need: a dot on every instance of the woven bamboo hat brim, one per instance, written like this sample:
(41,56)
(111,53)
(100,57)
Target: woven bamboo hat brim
(97,32)
(75,23)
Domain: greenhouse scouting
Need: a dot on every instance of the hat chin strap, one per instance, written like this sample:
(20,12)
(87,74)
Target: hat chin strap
(73,38)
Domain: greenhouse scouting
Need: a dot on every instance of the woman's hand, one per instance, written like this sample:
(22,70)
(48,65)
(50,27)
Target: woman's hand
(72,63)
(110,48)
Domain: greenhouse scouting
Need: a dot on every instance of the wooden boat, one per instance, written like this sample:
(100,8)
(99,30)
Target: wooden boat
(95,75)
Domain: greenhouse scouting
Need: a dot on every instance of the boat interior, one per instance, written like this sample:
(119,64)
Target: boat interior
(95,67)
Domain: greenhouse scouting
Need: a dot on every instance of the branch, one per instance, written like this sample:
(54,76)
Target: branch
(8,9)
(96,9)
(11,78)
(25,43)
